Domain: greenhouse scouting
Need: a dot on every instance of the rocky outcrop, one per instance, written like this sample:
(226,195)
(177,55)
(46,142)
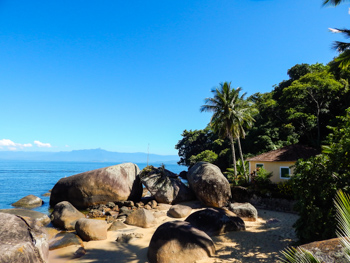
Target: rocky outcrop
(38,217)
(179,211)
(91,229)
(141,218)
(179,242)
(244,210)
(29,201)
(22,240)
(330,250)
(65,215)
(114,183)
(216,221)
(209,184)
(165,186)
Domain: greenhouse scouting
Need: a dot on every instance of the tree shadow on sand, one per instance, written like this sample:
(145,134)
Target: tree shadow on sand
(258,244)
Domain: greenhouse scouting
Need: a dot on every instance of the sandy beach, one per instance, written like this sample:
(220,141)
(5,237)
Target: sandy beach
(261,242)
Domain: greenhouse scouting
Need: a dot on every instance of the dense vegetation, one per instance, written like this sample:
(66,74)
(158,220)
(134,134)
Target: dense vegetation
(312,108)
(298,110)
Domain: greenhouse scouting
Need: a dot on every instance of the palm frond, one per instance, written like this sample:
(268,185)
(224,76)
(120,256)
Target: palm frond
(343,60)
(298,255)
(344,31)
(342,204)
(341,46)
(333,2)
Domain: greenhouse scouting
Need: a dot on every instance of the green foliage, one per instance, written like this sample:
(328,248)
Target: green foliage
(316,181)
(261,181)
(307,102)
(205,156)
(194,143)
(285,189)
(241,178)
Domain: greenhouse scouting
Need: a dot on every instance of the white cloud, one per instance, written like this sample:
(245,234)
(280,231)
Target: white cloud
(7,142)
(13,146)
(41,144)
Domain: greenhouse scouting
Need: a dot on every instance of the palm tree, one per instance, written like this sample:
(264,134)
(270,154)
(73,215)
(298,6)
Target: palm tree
(245,115)
(343,60)
(229,114)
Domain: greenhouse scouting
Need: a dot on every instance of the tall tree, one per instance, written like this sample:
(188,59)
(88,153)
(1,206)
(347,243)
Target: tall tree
(308,102)
(228,113)
(245,113)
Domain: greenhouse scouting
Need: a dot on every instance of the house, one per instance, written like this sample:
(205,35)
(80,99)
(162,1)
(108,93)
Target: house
(279,161)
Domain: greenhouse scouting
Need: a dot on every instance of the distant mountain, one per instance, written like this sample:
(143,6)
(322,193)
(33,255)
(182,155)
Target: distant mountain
(93,155)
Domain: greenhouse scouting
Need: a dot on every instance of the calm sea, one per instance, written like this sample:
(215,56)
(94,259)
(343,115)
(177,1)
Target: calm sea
(21,178)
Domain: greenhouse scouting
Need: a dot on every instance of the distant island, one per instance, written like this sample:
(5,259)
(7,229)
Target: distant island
(91,155)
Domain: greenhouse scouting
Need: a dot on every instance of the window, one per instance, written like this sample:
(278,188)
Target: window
(259,165)
(284,172)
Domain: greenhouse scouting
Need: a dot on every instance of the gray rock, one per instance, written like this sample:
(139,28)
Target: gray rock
(109,184)
(141,218)
(29,201)
(22,240)
(65,215)
(65,239)
(165,186)
(35,215)
(125,238)
(244,210)
(209,184)
(163,207)
(327,251)
(216,221)
(117,225)
(91,229)
(179,211)
(179,242)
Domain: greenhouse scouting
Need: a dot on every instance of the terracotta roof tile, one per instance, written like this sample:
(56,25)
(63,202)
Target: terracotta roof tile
(287,153)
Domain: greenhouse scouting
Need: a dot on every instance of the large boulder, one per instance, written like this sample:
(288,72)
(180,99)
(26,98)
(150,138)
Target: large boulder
(22,240)
(216,221)
(109,184)
(91,229)
(165,186)
(179,211)
(179,242)
(141,218)
(39,218)
(29,201)
(65,215)
(209,184)
(244,210)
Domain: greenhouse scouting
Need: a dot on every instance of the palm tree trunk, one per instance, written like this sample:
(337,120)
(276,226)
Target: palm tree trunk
(241,154)
(233,154)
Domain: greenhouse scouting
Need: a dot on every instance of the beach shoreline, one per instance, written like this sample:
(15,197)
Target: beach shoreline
(260,242)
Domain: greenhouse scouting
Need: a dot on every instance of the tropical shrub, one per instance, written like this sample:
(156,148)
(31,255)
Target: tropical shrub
(316,181)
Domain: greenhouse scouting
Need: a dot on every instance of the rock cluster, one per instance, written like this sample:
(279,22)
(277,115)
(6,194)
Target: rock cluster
(112,198)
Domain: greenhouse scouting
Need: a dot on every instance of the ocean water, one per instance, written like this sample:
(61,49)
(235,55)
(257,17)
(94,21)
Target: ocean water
(21,178)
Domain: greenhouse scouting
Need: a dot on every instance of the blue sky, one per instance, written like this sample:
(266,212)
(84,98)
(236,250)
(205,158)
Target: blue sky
(122,75)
